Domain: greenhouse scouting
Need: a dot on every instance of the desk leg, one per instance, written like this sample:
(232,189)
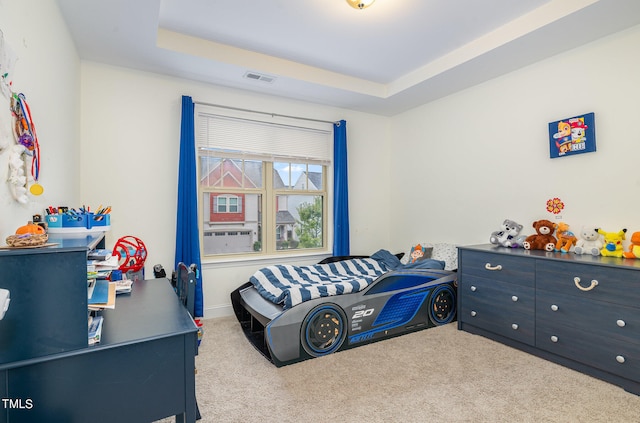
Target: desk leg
(190,380)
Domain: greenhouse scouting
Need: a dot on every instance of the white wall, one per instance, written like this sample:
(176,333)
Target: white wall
(47,73)
(447,171)
(130,131)
(463,164)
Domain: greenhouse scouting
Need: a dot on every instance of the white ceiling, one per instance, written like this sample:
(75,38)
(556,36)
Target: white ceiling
(386,59)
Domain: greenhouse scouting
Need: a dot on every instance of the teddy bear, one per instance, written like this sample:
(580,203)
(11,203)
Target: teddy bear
(612,243)
(589,242)
(507,236)
(634,247)
(543,239)
(566,238)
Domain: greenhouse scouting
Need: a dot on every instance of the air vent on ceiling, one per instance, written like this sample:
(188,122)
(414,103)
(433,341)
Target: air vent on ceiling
(259,77)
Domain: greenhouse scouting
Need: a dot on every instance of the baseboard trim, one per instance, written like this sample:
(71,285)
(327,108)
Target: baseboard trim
(218,311)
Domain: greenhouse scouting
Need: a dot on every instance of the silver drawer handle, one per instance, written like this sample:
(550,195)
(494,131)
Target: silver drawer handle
(473,288)
(554,307)
(514,298)
(514,326)
(621,323)
(554,338)
(473,313)
(594,283)
(620,359)
(488,266)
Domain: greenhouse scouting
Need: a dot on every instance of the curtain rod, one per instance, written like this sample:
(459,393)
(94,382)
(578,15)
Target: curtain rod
(266,113)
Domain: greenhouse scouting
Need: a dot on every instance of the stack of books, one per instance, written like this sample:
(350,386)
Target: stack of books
(99,254)
(95,329)
(101,294)
(100,263)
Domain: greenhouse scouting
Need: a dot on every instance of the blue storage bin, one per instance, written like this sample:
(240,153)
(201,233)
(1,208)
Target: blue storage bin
(78,222)
(101,220)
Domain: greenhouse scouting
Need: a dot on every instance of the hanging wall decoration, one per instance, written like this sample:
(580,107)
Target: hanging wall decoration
(555,205)
(25,134)
(24,173)
(571,136)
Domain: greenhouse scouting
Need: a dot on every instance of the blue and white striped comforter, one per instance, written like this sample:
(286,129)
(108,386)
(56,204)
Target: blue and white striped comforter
(291,285)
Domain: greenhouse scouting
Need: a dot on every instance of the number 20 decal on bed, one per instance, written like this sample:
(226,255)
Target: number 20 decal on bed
(363,313)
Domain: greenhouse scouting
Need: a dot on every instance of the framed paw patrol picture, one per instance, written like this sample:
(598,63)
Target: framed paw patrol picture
(574,135)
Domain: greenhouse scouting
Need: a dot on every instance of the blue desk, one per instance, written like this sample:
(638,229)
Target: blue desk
(142,370)
(48,309)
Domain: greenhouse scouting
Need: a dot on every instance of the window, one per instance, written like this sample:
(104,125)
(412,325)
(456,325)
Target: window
(263,184)
(227,203)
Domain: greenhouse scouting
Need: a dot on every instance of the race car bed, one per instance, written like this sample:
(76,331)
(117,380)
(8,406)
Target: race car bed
(293,313)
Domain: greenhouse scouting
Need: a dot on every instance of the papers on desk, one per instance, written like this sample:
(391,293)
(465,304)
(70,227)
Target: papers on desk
(95,329)
(102,295)
(98,274)
(110,263)
(99,254)
(102,268)
(123,286)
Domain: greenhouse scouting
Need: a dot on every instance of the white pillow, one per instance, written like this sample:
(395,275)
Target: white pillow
(447,253)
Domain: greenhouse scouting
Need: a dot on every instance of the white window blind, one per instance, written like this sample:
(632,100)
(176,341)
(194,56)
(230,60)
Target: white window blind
(231,136)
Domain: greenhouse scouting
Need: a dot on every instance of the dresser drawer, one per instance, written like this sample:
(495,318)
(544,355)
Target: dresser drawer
(620,286)
(500,295)
(498,307)
(501,267)
(618,358)
(597,317)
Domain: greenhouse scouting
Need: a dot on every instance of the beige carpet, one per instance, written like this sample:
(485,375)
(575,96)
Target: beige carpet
(436,375)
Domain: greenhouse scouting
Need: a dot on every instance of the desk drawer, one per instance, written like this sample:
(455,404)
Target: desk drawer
(615,357)
(501,267)
(501,308)
(620,286)
(597,317)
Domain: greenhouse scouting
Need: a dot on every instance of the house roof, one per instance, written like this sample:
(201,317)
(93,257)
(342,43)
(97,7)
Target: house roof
(316,179)
(252,172)
(283,217)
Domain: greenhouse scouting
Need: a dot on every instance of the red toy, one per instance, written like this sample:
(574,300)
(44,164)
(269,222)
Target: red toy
(131,253)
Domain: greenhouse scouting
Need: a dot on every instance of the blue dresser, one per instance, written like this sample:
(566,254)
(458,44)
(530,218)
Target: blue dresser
(580,311)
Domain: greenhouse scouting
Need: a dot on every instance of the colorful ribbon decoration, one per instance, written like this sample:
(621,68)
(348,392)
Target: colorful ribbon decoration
(28,136)
(25,133)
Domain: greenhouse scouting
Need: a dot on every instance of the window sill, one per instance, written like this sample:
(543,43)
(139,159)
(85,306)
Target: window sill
(265,260)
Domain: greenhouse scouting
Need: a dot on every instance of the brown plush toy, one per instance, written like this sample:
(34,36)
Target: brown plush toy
(543,239)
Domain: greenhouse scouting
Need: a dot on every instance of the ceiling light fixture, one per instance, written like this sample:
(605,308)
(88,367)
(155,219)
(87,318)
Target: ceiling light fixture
(360,4)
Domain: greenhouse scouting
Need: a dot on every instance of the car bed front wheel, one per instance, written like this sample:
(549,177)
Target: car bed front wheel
(324,330)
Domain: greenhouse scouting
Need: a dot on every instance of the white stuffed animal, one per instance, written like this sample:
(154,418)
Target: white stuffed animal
(17,174)
(589,241)
(507,236)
